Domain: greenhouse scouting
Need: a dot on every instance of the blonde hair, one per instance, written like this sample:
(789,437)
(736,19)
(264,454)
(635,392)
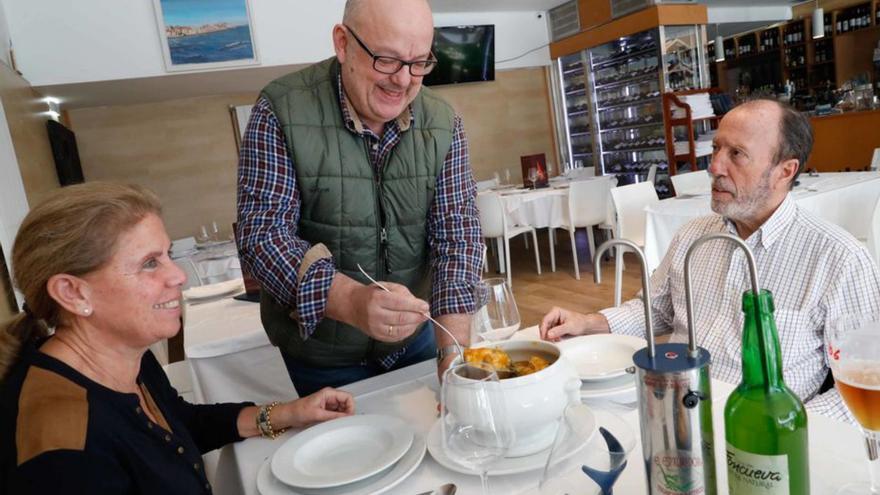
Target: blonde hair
(73,232)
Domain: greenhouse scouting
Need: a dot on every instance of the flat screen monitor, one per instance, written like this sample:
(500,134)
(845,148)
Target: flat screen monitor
(464,54)
(65,153)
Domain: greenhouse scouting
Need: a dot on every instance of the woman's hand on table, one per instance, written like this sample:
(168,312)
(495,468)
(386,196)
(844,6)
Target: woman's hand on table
(323,405)
(560,322)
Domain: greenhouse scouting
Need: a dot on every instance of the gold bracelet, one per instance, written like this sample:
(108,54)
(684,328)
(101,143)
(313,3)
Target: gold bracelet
(264,423)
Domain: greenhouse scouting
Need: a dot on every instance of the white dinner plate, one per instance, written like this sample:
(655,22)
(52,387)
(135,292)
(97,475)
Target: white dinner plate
(510,465)
(342,451)
(620,389)
(602,356)
(267,484)
(213,290)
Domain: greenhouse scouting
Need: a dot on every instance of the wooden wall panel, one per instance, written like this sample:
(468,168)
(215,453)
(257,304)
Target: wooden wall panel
(593,13)
(639,21)
(845,140)
(185,150)
(505,119)
(27,125)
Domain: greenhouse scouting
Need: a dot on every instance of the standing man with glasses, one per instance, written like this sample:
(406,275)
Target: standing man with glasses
(351,162)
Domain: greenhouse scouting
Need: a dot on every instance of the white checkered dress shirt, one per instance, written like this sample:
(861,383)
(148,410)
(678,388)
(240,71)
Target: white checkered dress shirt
(815,270)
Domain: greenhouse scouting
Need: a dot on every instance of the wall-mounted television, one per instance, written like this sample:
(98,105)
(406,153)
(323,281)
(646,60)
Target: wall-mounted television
(464,54)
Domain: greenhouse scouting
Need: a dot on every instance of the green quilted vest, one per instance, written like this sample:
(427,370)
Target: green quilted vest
(375,219)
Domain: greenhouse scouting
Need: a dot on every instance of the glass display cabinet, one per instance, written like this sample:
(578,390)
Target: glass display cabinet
(609,104)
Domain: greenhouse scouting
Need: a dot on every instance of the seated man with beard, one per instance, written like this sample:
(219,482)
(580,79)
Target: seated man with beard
(815,270)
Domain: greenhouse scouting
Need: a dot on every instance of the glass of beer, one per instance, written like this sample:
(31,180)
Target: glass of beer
(853,350)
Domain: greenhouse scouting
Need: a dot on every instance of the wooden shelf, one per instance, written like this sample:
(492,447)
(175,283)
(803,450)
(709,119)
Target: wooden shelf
(670,99)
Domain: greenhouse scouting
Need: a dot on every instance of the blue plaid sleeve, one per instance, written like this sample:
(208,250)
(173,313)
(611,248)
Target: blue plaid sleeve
(268,216)
(454,232)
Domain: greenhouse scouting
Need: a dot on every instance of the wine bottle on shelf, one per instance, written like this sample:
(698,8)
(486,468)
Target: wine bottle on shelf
(765,423)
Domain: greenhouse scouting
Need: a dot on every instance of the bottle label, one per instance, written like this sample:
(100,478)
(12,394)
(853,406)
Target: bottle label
(755,474)
(677,473)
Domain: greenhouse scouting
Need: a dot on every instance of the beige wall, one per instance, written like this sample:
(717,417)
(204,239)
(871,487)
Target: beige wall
(505,119)
(185,149)
(27,127)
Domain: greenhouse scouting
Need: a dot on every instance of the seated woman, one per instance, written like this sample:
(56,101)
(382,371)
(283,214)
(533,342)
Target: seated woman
(88,409)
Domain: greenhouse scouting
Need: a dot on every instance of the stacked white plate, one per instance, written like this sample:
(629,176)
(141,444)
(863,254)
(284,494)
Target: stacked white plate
(604,363)
(357,455)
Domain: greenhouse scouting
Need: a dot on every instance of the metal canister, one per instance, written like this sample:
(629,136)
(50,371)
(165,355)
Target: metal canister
(675,401)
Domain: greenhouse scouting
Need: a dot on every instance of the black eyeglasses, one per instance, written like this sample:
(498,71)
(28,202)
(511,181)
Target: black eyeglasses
(391,65)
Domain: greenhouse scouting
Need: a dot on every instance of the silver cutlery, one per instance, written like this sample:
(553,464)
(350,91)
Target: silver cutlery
(428,316)
(447,489)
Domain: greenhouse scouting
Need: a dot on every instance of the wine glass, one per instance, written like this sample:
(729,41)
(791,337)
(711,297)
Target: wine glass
(496,316)
(507,175)
(853,350)
(475,426)
(533,176)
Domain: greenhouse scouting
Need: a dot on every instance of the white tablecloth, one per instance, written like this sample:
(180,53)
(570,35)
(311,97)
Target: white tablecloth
(836,449)
(230,355)
(846,199)
(543,208)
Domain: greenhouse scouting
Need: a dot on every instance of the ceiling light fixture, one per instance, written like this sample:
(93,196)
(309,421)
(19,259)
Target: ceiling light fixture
(818,22)
(719,46)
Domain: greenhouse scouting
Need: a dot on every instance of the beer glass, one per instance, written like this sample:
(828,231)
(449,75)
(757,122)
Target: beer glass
(853,347)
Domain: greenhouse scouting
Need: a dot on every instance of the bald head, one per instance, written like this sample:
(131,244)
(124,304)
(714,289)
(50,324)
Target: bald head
(358,11)
(795,134)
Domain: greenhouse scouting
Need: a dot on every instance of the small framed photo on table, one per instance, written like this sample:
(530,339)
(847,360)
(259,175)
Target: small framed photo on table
(205,34)
(534,170)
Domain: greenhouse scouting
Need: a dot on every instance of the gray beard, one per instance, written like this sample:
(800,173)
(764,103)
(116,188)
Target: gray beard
(744,206)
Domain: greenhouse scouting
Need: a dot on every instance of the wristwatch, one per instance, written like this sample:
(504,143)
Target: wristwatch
(444,352)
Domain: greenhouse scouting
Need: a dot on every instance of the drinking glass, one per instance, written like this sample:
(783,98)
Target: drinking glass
(475,425)
(507,175)
(853,346)
(496,316)
(533,176)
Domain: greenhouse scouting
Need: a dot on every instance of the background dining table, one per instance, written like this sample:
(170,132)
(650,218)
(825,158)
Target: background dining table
(836,448)
(846,199)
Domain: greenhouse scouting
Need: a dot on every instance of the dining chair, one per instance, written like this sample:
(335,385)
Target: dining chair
(587,207)
(692,183)
(872,242)
(652,174)
(493,222)
(630,202)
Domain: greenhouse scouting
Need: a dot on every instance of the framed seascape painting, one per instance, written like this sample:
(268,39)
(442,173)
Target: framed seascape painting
(205,34)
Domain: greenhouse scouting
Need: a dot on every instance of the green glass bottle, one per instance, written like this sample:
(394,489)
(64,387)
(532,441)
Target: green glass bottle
(764,421)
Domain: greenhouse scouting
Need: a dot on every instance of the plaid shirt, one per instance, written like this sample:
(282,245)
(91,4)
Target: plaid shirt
(815,270)
(269,212)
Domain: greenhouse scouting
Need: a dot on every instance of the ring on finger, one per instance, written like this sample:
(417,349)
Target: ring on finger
(390,330)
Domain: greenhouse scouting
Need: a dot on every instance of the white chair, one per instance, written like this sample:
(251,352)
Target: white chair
(652,174)
(630,202)
(873,240)
(494,225)
(692,183)
(587,207)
